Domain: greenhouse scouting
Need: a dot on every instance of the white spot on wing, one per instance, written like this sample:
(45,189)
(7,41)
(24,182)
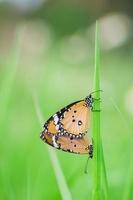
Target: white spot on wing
(54,142)
(57,127)
(56,119)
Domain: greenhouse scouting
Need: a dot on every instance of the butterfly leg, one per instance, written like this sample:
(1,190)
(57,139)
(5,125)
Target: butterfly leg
(96,99)
(91,151)
(96,110)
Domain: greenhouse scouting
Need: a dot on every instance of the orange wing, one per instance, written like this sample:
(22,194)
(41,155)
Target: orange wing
(50,126)
(67,128)
(71,120)
(46,138)
(80,145)
(75,119)
(74,145)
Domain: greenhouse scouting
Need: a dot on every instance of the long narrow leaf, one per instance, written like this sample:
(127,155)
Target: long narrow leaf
(64,190)
(96,125)
(104,174)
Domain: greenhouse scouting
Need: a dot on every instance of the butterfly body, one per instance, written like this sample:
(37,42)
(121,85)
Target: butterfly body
(67,129)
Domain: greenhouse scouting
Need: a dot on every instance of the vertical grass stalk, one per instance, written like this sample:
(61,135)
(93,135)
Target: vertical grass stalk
(104,175)
(96,125)
(64,190)
(129,183)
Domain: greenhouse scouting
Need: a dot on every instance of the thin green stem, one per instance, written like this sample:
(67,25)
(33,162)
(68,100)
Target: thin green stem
(96,125)
(64,190)
(104,174)
(129,182)
(99,169)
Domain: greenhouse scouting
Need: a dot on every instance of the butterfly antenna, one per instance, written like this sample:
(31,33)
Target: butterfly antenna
(86,167)
(96,91)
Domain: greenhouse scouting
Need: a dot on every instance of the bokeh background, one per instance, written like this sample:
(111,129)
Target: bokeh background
(47,59)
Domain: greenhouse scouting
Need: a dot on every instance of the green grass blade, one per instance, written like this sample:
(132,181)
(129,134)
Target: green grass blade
(129,175)
(96,125)
(98,161)
(64,190)
(104,174)
(129,183)
(127,191)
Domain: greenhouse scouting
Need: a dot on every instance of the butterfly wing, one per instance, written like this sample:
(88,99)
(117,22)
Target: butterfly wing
(67,129)
(75,119)
(74,145)
(71,120)
(50,126)
(47,138)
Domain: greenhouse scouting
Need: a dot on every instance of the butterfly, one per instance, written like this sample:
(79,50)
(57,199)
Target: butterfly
(67,129)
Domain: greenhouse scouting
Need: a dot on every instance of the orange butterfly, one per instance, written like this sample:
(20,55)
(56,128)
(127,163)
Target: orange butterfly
(67,129)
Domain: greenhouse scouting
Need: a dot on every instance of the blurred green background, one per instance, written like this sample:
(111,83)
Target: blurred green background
(47,53)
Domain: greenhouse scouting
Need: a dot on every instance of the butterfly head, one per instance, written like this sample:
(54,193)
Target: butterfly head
(89,101)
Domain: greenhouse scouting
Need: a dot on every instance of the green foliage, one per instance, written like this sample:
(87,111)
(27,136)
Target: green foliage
(99,170)
(64,190)
(26,171)
(96,125)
